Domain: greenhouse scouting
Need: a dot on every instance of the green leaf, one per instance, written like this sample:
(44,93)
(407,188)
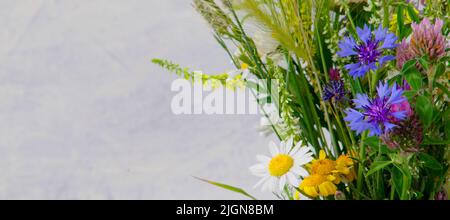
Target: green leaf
(414,78)
(435,142)
(412,13)
(372,141)
(410,95)
(430,162)
(424,61)
(377,166)
(401,179)
(228,187)
(400,20)
(440,70)
(408,65)
(425,110)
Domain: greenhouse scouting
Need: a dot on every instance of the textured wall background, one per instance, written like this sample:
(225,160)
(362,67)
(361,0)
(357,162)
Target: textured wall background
(85,115)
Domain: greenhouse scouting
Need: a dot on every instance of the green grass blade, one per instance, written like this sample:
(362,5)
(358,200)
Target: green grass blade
(227,187)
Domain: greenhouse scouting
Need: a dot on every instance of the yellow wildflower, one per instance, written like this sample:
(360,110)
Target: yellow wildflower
(325,167)
(344,165)
(407,20)
(318,185)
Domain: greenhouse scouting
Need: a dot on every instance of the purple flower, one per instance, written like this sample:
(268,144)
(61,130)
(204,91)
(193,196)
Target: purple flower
(407,136)
(368,51)
(427,39)
(377,115)
(404,54)
(335,89)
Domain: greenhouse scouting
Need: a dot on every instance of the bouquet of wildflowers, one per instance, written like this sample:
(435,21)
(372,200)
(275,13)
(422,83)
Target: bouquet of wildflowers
(360,107)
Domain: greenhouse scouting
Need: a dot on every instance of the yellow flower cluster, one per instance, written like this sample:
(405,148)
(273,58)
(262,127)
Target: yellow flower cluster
(406,20)
(326,174)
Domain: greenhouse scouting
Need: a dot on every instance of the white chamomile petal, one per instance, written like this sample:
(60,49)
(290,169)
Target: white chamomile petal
(266,185)
(293,180)
(273,184)
(262,182)
(263,159)
(300,171)
(274,151)
(288,145)
(282,182)
(259,170)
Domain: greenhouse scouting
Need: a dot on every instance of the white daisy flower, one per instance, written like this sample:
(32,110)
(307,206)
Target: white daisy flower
(285,166)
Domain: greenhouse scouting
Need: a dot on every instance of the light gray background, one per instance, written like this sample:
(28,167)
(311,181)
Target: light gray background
(85,115)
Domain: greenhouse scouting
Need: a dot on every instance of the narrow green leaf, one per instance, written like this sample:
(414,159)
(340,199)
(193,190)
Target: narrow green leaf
(400,20)
(377,166)
(412,13)
(402,181)
(435,142)
(424,61)
(408,65)
(228,187)
(430,162)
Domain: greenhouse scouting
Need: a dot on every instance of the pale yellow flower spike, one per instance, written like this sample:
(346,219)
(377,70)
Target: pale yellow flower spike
(244,66)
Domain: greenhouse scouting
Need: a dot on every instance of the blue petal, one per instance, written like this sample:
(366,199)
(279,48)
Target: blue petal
(389,42)
(375,130)
(353,68)
(396,95)
(380,34)
(360,126)
(356,70)
(385,59)
(389,126)
(356,121)
(383,90)
(361,71)
(361,101)
(401,115)
(364,34)
(347,47)
(372,66)
(353,116)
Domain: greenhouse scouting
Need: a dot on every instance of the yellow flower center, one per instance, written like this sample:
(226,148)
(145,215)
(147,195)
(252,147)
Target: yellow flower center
(280,165)
(323,167)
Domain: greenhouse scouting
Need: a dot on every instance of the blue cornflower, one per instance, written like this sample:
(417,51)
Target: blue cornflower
(368,51)
(377,115)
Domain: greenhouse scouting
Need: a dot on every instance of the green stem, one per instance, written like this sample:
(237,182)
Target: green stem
(386,14)
(344,134)
(319,87)
(362,155)
(350,18)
